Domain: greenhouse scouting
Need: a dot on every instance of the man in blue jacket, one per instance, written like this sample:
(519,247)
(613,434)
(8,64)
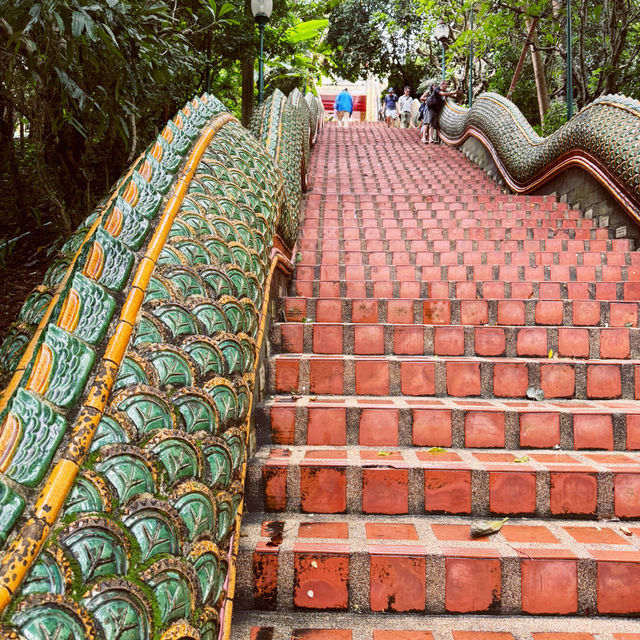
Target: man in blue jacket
(343,107)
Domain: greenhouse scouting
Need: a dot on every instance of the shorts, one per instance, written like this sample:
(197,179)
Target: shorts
(431,117)
(391,113)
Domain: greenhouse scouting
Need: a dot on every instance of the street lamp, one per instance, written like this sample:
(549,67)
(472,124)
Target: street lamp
(261,10)
(442,33)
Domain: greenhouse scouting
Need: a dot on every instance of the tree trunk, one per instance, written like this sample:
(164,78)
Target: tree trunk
(539,74)
(248,82)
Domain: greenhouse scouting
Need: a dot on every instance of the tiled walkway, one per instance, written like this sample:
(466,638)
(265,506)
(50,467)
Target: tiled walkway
(450,354)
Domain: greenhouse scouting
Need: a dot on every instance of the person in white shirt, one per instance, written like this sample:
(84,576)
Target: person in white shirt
(404,106)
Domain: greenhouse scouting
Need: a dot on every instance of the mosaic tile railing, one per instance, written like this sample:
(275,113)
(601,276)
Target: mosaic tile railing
(131,370)
(602,139)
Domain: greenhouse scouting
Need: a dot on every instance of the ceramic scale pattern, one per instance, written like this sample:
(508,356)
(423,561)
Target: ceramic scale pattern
(603,138)
(131,373)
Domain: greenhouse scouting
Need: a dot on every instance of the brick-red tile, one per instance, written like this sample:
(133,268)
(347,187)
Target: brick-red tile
(265,577)
(481,635)
(408,340)
(364,311)
(573,343)
(368,339)
(432,427)
(549,586)
(539,430)
(472,584)
(385,491)
(621,313)
(614,343)
(484,429)
(549,312)
(372,377)
(510,312)
(510,380)
(532,341)
(334,530)
(295,309)
(436,312)
(328,310)
(474,312)
(489,341)
(604,381)
(400,312)
(573,493)
(592,431)
(282,420)
(326,426)
(418,378)
(323,489)
(463,379)
(626,492)
(557,380)
(512,492)
(379,427)
(448,341)
(390,531)
(321,634)
(633,431)
(613,583)
(326,376)
(327,338)
(321,580)
(274,478)
(447,490)
(287,375)
(397,583)
(291,337)
(586,312)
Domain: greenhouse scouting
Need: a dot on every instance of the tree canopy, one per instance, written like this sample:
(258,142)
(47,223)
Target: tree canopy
(84,85)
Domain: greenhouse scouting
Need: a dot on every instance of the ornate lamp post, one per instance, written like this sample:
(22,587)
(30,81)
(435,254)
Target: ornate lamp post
(261,10)
(442,33)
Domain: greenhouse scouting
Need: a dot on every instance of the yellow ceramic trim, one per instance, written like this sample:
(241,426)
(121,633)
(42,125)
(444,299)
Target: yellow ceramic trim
(16,563)
(10,433)
(70,312)
(39,379)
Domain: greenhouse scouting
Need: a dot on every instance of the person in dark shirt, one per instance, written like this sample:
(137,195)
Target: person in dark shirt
(435,103)
(390,110)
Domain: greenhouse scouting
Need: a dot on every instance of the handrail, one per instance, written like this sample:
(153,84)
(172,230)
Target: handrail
(602,139)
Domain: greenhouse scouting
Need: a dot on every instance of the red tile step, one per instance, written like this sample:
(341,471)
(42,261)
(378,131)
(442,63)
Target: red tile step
(414,565)
(400,481)
(449,422)
(561,249)
(468,289)
(453,376)
(469,311)
(621,343)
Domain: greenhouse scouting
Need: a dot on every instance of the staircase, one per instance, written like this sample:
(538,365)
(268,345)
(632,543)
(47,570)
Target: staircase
(449,354)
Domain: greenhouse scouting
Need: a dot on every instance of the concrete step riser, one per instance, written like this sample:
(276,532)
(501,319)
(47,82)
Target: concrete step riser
(324,424)
(571,313)
(510,342)
(459,485)
(453,377)
(430,574)
(466,288)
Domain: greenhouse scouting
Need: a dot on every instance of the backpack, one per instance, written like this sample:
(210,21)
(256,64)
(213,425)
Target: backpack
(433,100)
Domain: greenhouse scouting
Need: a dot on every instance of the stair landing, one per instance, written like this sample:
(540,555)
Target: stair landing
(448,354)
